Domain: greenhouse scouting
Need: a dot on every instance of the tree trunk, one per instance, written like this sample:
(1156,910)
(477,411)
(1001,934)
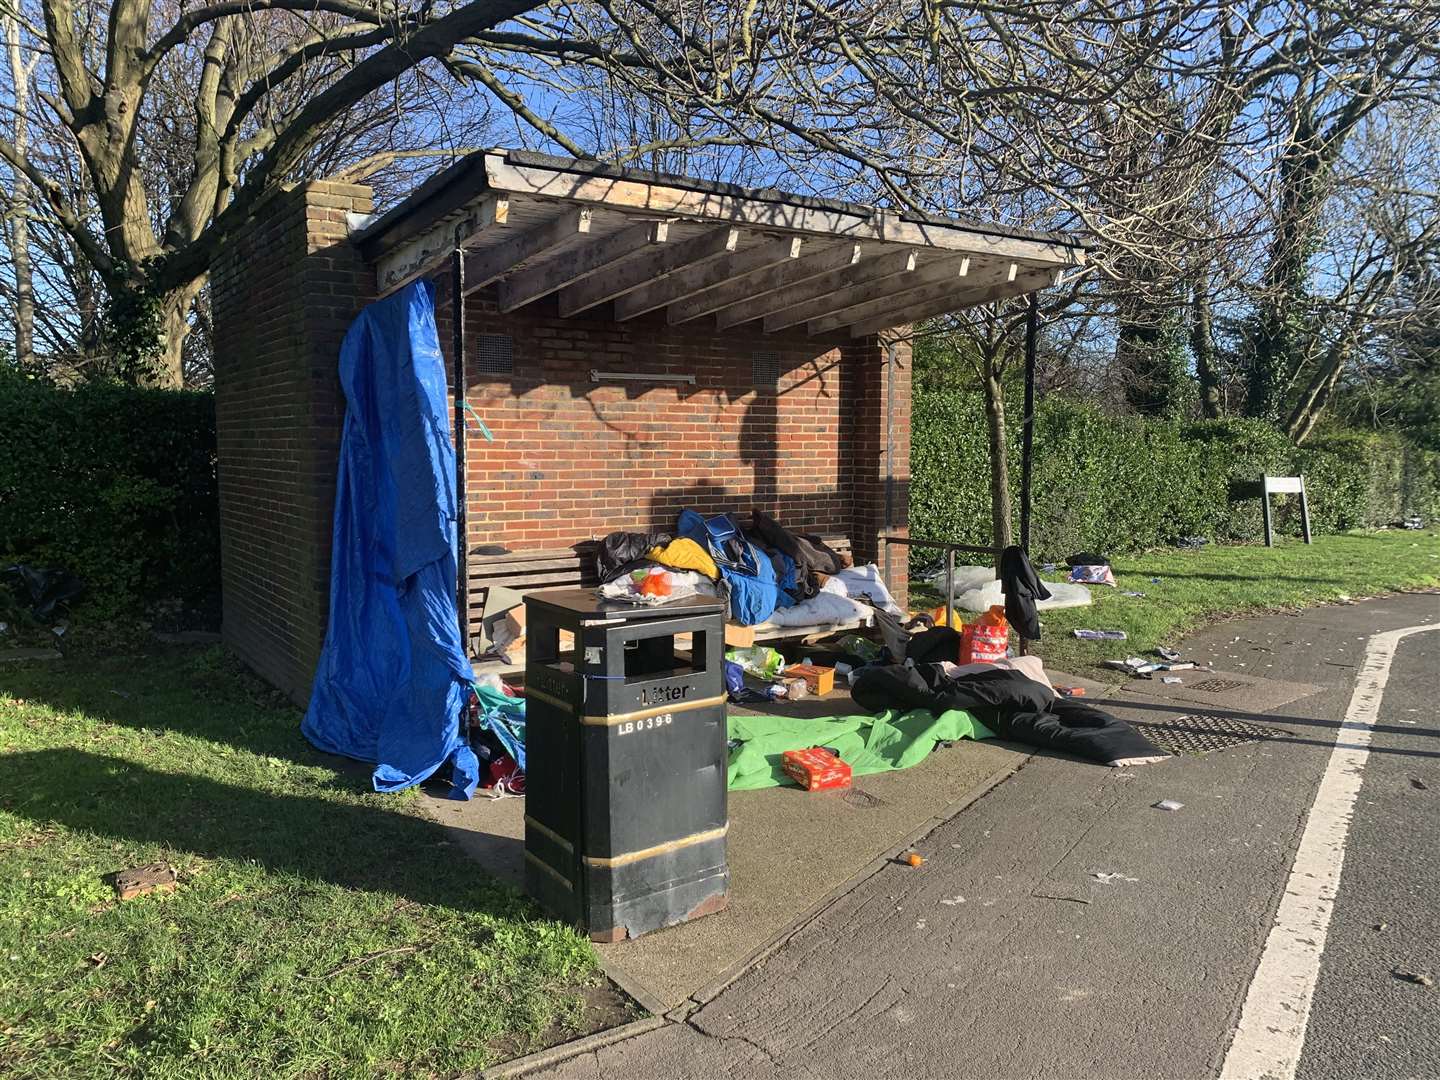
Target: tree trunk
(24,279)
(1312,403)
(1277,341)
(999,461)
(1202,344)
(175,328)
(20,206)
(145,332)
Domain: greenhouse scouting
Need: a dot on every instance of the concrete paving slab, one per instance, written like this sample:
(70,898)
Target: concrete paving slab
(490,831)
(1092,687)
(787,850)
(1222,690)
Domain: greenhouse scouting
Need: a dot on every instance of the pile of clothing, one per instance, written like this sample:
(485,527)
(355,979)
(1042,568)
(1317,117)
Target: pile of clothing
(495,717)
(764,571)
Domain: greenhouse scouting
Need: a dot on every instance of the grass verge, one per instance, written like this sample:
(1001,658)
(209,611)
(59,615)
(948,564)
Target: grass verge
(318,929)
(1186,589)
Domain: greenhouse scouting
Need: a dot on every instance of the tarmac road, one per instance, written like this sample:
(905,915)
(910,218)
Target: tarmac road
(1064,927)
(1366,1020)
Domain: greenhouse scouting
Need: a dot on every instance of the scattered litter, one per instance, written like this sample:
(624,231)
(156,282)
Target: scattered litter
(913,858)
(1079,691)
(1409,721)
(1185,666)
(1133,665)
(1047,568)
(1166,654)
(1105,877)
(139,880)
(1419,978)
(1154,581)
(951,901)
(1171,679)
(919,924)
(1092,575)
(1100,635)
(1192,543)
(1380,926)
(1343,599)
(1131,592)
(1419,785)
(1169,804)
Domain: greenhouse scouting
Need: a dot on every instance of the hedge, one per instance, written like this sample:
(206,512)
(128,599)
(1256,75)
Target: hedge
(114,484)
(1123,483)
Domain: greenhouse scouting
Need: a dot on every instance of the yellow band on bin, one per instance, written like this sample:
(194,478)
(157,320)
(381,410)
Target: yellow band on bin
(659,849)
(547,832)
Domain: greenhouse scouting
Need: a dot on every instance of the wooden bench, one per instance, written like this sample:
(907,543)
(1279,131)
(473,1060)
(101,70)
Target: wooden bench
(525,572)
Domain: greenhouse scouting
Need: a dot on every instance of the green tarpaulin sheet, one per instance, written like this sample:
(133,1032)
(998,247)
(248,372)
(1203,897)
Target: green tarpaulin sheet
(868,744)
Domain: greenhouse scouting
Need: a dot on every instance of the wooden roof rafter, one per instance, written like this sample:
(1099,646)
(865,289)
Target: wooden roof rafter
(532,226)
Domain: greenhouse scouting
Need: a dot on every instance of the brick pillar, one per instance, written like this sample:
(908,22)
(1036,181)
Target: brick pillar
(283,295)
(880,468)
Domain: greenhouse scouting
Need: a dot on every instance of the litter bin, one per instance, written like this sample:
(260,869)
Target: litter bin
(625,746)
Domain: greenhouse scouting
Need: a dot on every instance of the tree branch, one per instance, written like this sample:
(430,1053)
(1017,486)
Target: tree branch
(434,40)
(63,212)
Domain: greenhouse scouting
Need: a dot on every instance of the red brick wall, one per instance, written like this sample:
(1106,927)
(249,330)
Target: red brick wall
(283,294)
(574,459)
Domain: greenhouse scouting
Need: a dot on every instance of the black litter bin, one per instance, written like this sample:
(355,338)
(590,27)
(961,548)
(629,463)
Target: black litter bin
(625,746)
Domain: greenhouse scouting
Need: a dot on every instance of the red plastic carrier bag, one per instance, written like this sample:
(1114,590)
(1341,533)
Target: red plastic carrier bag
(985,640)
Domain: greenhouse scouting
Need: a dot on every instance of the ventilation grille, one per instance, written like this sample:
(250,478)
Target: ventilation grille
(1217,686)
(494,355)
(765,368)
(1202,733)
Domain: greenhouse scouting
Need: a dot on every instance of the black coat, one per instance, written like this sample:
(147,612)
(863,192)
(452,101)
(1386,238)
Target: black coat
(1022,588)
(1010,705)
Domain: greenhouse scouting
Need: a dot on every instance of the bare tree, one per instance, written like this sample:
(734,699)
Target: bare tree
(184,116)
(1117,118)
(19,204)
(1378,234)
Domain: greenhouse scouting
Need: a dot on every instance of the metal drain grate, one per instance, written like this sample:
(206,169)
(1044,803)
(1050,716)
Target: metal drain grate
(1218,686)
(1202,733)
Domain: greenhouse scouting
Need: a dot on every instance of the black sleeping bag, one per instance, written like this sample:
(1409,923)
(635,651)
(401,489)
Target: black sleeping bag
(1010,705)
(621,552)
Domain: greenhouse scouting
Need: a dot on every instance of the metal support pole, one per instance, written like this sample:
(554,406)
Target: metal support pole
(462,535)
(889,453)
(949,583)
(1032,330)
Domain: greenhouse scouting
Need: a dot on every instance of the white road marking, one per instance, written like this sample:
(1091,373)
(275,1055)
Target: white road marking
(1271,1032)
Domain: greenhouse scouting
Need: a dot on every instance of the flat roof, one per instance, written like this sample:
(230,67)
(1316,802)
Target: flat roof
(535,225)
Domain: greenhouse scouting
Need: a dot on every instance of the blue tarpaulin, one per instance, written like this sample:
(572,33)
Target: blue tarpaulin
(393,674)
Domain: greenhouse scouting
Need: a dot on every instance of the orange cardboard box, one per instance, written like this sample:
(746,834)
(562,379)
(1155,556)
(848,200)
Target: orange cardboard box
(820,680)
(816,769)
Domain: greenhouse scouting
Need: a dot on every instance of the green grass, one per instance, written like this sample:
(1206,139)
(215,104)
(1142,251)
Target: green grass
(318,929)
(1196,587)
